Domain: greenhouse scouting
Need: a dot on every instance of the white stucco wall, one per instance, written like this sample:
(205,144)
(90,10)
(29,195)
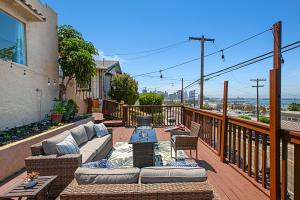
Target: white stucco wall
(20,103)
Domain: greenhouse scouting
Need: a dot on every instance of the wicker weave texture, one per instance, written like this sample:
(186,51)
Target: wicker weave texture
(161,191)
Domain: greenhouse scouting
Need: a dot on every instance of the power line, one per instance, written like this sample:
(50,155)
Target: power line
(245,63)
(151,50)
(210,54)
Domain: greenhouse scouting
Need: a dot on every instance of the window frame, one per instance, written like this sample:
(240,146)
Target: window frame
(25,36)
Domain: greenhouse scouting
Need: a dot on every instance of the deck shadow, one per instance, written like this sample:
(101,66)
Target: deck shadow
(205,165)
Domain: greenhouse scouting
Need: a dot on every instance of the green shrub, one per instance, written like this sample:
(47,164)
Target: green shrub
(294,106)
(245,117)
(158,118)
(264,119)
(71,109)
(151,99)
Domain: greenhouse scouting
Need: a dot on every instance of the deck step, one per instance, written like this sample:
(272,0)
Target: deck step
(113,123)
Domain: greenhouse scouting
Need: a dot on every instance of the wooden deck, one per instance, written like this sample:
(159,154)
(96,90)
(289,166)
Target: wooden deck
(228,183)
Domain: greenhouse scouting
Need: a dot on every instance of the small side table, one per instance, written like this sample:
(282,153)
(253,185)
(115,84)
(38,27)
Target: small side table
(43,185)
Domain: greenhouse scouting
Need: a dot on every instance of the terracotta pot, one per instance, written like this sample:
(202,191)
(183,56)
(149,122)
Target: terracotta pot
(56,118)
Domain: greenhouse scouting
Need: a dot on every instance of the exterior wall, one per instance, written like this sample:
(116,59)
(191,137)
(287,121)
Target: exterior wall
(20,102)
(71,94)
(291,116)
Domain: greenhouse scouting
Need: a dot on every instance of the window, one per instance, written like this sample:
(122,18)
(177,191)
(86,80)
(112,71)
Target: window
(12,39)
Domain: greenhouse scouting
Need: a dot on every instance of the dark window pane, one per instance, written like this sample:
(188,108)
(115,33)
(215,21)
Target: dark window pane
(12,39)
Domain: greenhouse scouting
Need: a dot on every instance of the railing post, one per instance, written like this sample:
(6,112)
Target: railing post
(183,116)
(125,115)
(296,171)
(224,123)
(275,121)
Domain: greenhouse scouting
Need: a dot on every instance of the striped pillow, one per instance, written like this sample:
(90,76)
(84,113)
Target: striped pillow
(100,130)
(67,146)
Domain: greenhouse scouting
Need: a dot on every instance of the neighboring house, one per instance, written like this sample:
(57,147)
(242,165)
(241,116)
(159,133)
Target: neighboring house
(101,82)
(28,61)
(293,116)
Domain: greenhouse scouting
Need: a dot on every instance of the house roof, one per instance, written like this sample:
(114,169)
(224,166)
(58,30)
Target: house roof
(107,65)
(24,6)
(290,125)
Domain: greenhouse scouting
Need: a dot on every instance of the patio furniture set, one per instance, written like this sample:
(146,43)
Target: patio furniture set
(141,181)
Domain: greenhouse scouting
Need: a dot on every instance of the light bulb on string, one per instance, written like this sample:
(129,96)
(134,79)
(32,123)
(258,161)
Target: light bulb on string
(11,65)
(54,82)
(48,81)
(222,56)
(24,72)
(282,60)
(161,76)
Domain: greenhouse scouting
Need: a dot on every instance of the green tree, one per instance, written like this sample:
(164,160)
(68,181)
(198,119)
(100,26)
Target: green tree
(264,119)
(75,57)
(294,106)
(125,88)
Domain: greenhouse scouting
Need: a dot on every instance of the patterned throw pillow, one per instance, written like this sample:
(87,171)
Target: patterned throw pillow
(67,146)
(103,163)
(100,130)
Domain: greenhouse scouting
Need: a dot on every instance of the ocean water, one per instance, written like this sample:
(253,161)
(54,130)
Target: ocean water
(263,101)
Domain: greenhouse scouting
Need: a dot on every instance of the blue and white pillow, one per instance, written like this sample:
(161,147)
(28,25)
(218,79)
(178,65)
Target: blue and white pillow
(100,130)
(67,146)
(103,163)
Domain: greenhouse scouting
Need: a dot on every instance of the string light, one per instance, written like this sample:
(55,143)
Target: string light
(54,82)
(161,76)
(24,72)
(11,65)
(48,81)
(222,56)
(282,60)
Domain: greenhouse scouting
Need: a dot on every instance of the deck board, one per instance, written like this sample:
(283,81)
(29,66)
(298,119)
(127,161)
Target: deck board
(228,183)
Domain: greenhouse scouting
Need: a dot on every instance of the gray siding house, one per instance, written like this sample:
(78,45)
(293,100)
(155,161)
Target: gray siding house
(101,82)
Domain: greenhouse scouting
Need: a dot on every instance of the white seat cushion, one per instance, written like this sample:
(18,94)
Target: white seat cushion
(172,174)
(107,176)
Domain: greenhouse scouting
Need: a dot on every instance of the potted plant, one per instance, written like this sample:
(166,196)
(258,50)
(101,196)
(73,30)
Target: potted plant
(31,179)
(71,109)
(59,110)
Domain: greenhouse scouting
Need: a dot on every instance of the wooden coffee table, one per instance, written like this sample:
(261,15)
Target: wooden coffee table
(143,147)
(39,191)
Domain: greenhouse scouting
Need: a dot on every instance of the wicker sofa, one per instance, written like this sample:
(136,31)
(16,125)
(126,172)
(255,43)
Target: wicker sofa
(46,161)
(133,183)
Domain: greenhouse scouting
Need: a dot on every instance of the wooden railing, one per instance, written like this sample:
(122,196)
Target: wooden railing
(112,109)
(161,115)
(247,143)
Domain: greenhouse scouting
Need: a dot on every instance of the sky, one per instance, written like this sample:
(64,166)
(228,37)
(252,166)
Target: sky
(117,27)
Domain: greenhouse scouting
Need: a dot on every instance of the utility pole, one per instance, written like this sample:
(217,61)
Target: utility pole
(181,90)
(203,40)
(257,95)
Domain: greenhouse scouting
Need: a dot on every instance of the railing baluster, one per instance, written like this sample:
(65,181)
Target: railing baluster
(229,141)
(244,150)
(256,149)
(234,144)
(263,161)
(249,152)
(239,148)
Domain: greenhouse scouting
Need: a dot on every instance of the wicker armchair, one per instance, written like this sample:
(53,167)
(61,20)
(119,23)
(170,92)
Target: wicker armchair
(157,191)
(144,121)
(184,140)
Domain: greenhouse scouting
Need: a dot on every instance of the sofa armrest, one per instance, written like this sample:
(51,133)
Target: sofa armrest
(37,149)
(46,163)
(179,132)
(110,130)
